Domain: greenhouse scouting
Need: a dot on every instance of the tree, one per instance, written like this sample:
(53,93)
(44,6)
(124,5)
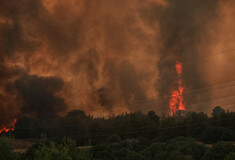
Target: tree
(213,134)
(153,117)
(77,114)
(217,111)
(196,122)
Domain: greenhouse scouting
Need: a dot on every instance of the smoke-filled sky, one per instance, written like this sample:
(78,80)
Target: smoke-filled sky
(112,56)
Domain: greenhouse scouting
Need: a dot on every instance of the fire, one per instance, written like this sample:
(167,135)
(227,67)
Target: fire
(11,128)
(176,99)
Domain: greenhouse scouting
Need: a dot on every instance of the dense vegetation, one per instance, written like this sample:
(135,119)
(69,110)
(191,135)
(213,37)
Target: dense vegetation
(133,136)
(86,129)
(179,148)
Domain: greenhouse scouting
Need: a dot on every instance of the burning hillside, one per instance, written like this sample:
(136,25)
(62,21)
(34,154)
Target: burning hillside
(8,129)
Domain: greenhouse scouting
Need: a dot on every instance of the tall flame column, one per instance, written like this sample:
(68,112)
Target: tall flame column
(176,98)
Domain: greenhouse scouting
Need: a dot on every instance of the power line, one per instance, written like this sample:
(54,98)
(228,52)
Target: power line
(124,104)
(38,127)
(141,129)
(69,126)
(187,93)
(154,101)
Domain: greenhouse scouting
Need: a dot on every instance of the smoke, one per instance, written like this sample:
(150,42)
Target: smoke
(183,26)
(122,80)
(106,56)
(39,95)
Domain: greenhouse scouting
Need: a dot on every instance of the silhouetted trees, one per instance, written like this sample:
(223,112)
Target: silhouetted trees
(217,111)
(77,125)
(213,134)
(153,117)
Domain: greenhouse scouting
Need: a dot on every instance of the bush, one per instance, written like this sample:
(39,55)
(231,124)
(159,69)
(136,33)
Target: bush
(123,152)
(114,138)
(65,150)
(153,150)
(176,155)
(230,156)
(187,146)
(135,156)
(178,148)
(6,150)
(219,151)
(130,143)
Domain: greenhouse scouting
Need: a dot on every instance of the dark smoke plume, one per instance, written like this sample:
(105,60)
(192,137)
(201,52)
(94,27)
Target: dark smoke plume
(39,96)
(107,56)
(122,80)
(183,26)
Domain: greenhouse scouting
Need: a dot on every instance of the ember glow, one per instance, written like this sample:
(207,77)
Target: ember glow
(176,99)
(8,129)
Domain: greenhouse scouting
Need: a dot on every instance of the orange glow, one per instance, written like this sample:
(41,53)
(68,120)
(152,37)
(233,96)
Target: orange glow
(11,128)
(176,99)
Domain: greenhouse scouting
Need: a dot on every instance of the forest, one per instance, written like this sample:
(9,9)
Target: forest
(129,136)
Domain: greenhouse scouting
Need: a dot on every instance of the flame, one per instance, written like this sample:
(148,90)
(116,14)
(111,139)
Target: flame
(11,128)
(176,99)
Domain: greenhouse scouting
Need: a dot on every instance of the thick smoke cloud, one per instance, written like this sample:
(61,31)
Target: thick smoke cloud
(123,80)
(183,26)
(107,56)
(39,95)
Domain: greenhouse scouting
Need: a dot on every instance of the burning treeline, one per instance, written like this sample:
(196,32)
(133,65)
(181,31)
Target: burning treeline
(105,56)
